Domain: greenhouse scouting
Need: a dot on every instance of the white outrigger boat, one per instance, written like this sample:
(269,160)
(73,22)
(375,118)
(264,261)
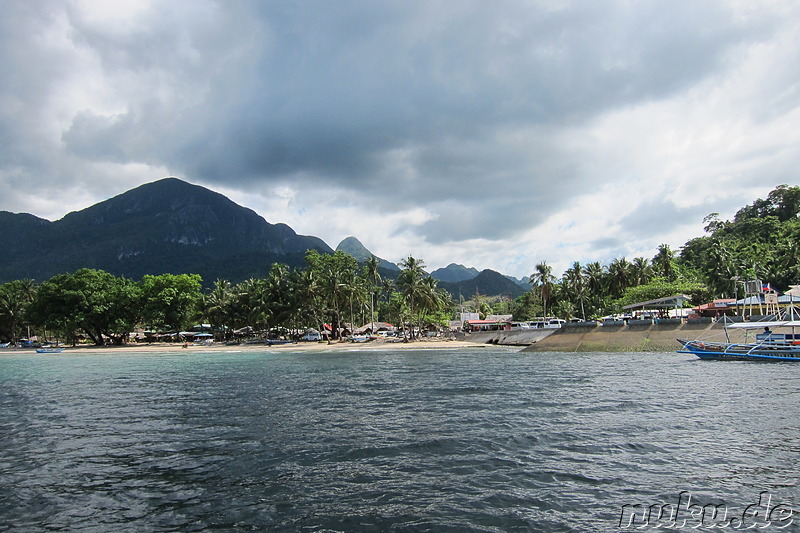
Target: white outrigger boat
(768,345)
(49,349)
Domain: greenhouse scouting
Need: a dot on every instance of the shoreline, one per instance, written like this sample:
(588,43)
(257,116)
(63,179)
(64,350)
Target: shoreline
(420,344)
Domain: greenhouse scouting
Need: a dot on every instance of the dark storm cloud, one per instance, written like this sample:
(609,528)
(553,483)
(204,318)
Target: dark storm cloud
(481,116)
(325,91)
(30,70)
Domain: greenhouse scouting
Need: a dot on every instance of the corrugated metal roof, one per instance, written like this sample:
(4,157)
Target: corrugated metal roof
(676,300)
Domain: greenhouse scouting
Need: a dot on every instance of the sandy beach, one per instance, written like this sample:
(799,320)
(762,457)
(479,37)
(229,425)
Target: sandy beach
(421,344)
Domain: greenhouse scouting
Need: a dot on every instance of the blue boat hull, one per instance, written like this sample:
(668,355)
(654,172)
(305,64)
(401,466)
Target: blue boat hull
(740,352)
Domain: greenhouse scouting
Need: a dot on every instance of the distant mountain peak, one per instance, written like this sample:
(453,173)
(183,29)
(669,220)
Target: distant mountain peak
(487,282)
(454,273)
(352,246)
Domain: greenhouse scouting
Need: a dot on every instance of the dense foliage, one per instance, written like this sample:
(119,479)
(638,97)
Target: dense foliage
(761,242)
(332,289)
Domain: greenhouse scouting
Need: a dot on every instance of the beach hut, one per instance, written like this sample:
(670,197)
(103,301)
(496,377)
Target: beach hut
(716,308)
(371,328)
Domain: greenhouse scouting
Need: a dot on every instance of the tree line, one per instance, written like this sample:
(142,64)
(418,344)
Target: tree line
(332,289)
(761,242)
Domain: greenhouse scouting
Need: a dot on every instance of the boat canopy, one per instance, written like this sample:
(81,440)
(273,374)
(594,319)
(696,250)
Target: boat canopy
(765,324)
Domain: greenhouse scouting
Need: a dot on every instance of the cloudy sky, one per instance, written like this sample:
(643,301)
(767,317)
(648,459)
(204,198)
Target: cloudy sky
(493,134)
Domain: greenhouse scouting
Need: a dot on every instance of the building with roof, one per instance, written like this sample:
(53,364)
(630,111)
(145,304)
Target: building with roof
(662,305)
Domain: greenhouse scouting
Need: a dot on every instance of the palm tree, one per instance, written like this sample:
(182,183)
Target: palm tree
(277,296)
(429,298)
(619,274)
(595,275)
(641,271)
(542,280)
(15,297)
(374,280)
(217,304)
(332,273)
(252,303)
(663,262)
(388,287)
(306,291)
(575,285)
(410,282)
(355,290)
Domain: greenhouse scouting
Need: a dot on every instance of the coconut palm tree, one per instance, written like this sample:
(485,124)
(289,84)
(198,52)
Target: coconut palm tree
(374,283)
(217,304)
(410,282)
(663,262)
(355,291)
(595,276)
(252,304)
(305,291)
(619,276)
(542,280)
(15,297)
(574,284)
(641,271)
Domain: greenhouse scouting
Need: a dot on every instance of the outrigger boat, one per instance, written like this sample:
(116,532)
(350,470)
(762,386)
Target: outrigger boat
(767,346)
(49,350)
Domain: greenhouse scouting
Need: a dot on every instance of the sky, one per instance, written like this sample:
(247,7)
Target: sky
(491,134)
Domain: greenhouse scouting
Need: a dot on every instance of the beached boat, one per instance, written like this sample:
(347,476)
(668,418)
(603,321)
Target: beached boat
(276,342)
(49,350)
(771,344)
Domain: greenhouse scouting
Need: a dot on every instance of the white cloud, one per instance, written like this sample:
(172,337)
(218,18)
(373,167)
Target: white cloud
(494,136)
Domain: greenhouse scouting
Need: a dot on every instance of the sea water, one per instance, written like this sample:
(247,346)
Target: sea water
(480,439)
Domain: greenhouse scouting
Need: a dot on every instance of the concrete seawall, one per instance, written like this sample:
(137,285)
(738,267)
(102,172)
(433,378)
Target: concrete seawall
(627,338)
(519,337)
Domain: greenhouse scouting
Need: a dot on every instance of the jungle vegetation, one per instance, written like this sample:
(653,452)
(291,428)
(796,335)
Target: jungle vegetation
(761,242)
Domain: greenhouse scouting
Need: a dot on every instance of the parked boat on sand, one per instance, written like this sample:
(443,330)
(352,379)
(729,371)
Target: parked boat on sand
(49,350)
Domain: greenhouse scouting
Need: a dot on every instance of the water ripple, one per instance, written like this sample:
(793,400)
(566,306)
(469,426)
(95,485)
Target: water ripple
(487,440)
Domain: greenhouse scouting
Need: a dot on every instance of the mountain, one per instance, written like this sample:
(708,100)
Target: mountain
(454,273)
(353,246)
(525,282)
(488,283)
(167,226)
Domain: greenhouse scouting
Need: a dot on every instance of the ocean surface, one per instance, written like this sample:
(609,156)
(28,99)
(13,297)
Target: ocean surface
(479,439)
